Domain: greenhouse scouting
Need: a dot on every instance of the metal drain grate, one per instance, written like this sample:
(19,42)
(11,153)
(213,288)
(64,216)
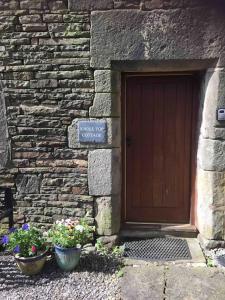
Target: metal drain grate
(157,249)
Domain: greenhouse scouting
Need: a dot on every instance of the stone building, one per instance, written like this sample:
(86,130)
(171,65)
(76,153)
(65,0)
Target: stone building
(113,110)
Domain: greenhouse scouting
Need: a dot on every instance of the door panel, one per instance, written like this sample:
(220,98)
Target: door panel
(157,153)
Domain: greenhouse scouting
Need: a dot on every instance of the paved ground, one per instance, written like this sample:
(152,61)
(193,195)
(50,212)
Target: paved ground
(172,283)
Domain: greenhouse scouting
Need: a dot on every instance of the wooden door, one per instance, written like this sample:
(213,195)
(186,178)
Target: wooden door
(157,151)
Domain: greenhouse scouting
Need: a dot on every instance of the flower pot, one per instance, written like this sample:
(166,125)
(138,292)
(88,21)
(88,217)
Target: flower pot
(67,258)
(31,265)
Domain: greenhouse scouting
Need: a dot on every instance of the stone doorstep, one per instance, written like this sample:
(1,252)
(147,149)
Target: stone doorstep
(198,258)
(158,230)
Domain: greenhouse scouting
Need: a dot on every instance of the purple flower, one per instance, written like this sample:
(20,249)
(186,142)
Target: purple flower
(5,239)
(12,229)
(16,249)
(25,226)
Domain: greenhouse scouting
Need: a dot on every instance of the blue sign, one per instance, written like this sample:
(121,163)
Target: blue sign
(92,132)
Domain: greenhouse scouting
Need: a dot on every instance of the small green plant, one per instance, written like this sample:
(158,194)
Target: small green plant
(70,234)
(210,262)
(118,250)
(101,248)
(120,272)
(27,241)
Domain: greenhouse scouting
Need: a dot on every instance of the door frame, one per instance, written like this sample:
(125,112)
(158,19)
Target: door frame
(194,138)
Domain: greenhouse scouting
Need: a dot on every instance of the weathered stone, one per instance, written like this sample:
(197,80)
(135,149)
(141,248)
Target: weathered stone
(113,134)
(129,4)
(28,184)
(105,105)
(30,19)
(210,244)
(211,155)
(206,283)
(52,18)
(77,74)
(4,147)
(34,27)
(147,283)
(85,5)
(144,36)
(76,18)
(51,211)
(42,83)
(210,205)
(76,83)
(107,162)
(34,4)
(107,215)
(64,41)
(109,241)
(107,81)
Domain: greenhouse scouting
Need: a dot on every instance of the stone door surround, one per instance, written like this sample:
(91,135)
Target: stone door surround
(158,41)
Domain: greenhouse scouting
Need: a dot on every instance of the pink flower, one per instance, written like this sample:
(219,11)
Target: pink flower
(33,249)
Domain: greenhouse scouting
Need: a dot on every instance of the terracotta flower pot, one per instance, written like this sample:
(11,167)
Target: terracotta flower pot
(67,258)
(31,265)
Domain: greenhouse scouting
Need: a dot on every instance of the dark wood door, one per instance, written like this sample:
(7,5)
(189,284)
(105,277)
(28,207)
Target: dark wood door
(157,152)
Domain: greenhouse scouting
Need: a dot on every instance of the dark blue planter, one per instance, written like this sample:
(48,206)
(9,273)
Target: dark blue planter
(67,258)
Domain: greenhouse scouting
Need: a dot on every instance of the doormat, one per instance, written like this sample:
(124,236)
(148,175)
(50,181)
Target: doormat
(161,249)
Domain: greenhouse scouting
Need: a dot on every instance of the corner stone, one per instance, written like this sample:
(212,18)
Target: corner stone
(105,105)
(107,215)
(104,172)
(107,81)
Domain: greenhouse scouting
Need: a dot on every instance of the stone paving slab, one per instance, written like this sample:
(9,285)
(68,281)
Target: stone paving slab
(194,284)
(142,283)
(172,283)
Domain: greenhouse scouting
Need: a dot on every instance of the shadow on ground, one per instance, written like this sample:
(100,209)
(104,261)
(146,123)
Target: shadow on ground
(12,278)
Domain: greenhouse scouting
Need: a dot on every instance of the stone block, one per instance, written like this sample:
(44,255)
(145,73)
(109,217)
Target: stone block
(107,215)
(213,98)
(210,204)
(28,19)
(107,162)
(105,105)
(113,134)
(211,155)
(43,83)
(52,18)
(127,4)
(4,146)
(145,37)
(34,27)
(86,5)
(107,81)
(34,4)
(28,184)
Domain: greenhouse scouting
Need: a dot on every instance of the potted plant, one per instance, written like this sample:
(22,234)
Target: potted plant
(68,238)
(29,247)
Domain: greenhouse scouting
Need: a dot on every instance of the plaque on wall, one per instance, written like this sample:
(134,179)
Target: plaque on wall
(92,132)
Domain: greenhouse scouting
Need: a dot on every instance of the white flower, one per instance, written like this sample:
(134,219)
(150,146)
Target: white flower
(79,228)
(45,233)
(78,246)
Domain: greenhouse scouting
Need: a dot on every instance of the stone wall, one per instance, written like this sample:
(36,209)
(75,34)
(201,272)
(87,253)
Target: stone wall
(61,62)
(48,82)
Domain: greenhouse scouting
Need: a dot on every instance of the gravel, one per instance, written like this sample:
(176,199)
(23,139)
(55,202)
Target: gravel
(95,278)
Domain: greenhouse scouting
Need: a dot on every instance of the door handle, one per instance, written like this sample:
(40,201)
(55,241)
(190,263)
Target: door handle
(128,141)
